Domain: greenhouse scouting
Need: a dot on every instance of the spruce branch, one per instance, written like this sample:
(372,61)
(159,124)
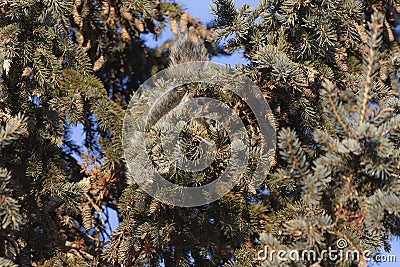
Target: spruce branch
(373,44)
(293,154)
(6,263)
(12,130)
(9,207)
(339,113)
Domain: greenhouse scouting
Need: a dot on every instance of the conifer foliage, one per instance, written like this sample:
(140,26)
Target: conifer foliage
(63,64)
(330,72)
(328,69)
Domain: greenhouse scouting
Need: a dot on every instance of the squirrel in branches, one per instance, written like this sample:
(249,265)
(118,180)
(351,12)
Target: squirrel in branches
(189,49)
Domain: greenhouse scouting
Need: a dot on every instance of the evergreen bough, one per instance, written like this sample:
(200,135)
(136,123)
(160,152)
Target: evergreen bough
(328,69)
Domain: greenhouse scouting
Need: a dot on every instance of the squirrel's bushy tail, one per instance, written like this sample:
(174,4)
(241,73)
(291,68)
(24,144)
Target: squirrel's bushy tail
(188,50)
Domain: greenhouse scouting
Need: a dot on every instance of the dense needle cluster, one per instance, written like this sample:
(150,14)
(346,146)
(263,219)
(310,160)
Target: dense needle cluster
(328,69)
